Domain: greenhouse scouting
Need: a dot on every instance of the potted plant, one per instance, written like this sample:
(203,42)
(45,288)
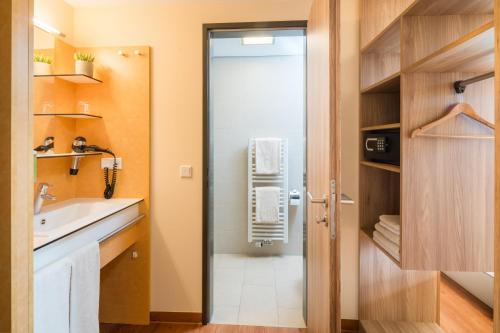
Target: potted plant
(84,63)
(42,65)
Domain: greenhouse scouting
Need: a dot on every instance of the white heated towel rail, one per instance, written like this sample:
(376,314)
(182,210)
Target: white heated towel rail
(268,231)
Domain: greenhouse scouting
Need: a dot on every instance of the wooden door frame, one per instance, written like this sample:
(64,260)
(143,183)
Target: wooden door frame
(496,241)
(16,166)
(207,228)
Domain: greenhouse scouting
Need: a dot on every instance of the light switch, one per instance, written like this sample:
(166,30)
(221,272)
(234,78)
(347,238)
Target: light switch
(108,163)
(186,171)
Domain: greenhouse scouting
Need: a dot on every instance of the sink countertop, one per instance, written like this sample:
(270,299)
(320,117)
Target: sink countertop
(72,215)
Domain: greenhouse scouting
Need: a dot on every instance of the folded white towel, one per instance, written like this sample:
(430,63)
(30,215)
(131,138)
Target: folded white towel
(51,298)
(391,222)
(267,204)
(84,310)
(267,156)
(393,237)
(386,244)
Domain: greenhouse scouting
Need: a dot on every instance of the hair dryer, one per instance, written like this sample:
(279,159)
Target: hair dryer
(80,146)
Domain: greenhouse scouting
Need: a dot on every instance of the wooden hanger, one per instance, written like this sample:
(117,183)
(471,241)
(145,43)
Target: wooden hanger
(461,108)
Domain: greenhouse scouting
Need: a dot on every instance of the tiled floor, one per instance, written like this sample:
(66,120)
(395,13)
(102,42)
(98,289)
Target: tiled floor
(263,291)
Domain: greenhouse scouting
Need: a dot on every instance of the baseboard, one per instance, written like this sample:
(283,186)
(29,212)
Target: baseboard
(176,317)
(350,325)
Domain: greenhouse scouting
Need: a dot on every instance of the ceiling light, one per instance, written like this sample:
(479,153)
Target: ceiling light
(45,27)
(257,40)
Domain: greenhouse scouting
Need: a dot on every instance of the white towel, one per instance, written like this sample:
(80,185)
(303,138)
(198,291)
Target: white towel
(84,306)
(267,204)
(391,222)
(393,237)
(51,298)
(386,244)
(267,156)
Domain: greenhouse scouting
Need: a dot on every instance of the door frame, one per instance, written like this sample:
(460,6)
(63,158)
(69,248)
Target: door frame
(207,229)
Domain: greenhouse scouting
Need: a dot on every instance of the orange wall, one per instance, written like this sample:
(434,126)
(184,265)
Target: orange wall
(173,29)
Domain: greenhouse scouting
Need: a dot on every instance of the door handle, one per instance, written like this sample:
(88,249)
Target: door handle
(323,219)
(323,200)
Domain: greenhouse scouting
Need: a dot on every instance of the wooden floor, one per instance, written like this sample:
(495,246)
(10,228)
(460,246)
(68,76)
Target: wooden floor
(188,328)
(462,314)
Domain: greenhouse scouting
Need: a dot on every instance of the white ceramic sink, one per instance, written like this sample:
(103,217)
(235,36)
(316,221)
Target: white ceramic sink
(64,227)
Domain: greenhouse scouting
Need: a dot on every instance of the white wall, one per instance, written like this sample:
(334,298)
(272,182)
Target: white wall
(254,97)
(478,284)
(349,96)
(173,29)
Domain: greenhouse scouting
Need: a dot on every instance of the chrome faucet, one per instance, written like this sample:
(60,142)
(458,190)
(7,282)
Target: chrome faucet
(41,196)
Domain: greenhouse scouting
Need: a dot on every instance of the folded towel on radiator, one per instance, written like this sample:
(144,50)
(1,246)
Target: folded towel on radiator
(393,237)
(52,297)
(391,222)
(85,280)
(267,156)
(267,204)
(386,244)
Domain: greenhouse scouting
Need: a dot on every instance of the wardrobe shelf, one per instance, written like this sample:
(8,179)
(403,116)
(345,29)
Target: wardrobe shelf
(61,155)
(383,166)
(69,115)
(387,39)
(389,84)
(369,234)
(380,127)
(472,53)
(73,78)
(433,7)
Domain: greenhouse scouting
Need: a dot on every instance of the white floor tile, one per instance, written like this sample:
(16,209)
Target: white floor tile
(260,262)
(258,317)
(259,276)
(289,295)
(228,276)
(229,261)
(291,318)
(229,294)
(258,297)
(225,314)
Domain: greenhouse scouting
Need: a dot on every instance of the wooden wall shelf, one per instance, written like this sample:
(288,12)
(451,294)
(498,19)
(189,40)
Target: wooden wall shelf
(380,127)
(472,53)
(450,7)
(383,166)
(387,85)
(369,236)
(73,78)
(69,115)
(387,40)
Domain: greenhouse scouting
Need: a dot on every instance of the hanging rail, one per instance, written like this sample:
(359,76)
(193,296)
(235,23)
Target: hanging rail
(462,84)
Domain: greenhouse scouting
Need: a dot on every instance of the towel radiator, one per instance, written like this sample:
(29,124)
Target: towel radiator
(268,231)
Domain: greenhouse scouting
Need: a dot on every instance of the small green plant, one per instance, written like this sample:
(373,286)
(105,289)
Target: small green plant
(87,57)
(42,58)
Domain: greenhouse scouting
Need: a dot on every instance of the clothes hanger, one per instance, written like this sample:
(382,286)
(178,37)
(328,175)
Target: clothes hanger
(460,108)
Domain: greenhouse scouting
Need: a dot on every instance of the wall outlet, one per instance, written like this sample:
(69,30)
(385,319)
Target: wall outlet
(108,163)
(186,171)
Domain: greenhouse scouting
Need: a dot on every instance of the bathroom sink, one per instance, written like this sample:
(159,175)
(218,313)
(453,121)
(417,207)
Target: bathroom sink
(64,227)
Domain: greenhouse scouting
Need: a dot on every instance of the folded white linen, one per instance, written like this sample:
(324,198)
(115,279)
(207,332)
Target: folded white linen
(85,280)
(391,222)
(393,237)
(386,244)
(267,204)
(52,298)
(267,156)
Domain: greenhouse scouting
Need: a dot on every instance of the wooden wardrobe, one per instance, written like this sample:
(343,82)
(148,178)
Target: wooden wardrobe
(412,53)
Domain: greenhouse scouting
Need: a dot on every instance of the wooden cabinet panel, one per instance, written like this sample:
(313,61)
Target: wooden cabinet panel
(388,293)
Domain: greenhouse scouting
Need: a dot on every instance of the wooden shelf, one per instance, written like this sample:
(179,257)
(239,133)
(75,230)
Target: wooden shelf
(383,166)
(369,234)
(380,127)
(473,53)
(387,40)
(62,155)
(73,78)
(450,7)
(389,84)
(69,115)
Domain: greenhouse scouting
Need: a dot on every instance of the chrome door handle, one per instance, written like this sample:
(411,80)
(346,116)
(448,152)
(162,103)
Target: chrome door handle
(323,200)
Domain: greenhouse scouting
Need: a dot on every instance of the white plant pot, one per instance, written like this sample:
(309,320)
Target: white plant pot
(41,68)
(84,67)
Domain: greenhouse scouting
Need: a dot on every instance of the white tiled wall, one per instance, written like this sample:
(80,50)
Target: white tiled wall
(253,97)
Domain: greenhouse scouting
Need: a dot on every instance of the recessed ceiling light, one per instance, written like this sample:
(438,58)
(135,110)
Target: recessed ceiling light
(45,27)
(257,40)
